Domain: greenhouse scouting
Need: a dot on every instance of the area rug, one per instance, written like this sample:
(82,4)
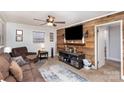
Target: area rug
(59,73)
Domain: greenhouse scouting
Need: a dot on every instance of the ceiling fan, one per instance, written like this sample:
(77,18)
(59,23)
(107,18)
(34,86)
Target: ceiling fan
(50,21)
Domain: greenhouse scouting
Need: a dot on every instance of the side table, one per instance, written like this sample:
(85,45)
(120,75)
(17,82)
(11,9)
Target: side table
(42,54)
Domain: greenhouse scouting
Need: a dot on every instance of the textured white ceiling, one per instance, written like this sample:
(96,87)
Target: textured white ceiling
(70,17)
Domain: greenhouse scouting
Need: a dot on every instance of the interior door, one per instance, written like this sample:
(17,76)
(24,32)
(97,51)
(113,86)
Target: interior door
(100,47)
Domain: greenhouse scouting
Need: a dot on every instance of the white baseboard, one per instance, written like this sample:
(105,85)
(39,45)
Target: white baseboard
(114,59)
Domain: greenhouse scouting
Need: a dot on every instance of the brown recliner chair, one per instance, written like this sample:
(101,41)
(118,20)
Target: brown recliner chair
(23,51)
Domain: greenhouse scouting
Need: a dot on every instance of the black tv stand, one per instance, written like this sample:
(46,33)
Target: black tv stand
(73,59)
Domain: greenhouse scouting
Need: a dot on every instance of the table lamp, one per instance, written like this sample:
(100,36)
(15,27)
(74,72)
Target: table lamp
(42,46)
(7,49)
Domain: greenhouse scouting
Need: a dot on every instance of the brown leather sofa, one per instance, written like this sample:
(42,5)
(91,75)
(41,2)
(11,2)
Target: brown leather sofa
(30,72)
(23,51)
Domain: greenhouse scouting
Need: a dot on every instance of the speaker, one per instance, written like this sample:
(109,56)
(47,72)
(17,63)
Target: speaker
(52,52)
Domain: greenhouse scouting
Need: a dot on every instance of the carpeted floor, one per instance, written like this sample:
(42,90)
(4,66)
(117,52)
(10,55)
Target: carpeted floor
(110,72)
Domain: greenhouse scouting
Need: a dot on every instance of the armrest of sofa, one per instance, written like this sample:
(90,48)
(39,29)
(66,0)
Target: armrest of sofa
(31,53)
(32,58)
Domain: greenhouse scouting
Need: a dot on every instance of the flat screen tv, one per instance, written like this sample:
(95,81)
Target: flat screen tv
(74,33)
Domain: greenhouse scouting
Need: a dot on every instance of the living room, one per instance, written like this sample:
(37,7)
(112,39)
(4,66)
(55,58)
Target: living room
(32,37)
(36,54)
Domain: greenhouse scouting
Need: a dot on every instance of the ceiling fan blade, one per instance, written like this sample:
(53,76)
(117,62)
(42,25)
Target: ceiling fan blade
(60,22)
(43,24)
(39,20)
(54,25)
(49,16)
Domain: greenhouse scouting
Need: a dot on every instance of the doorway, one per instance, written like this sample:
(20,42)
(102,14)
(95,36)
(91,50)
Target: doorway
(109,44)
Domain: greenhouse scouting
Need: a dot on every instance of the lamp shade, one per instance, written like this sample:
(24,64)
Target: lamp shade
(7,49)
(42,45)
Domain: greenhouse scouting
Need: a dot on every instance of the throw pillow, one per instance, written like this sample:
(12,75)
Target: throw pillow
(16,71)
(1,76)
(19,60)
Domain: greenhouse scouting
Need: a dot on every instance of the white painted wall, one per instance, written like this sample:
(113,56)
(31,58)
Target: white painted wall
(114,43)
(28,37)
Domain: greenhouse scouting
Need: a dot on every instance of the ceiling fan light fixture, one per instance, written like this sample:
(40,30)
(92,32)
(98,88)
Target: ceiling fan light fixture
(50,18)
(50,21)
(50,24)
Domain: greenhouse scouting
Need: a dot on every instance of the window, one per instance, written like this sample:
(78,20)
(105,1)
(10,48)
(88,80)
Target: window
(38,37)
(51,37)
(2,33)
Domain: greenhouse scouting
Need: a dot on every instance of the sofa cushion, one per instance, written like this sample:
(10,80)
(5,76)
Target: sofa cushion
(10,78)
(7,57)
(1,76)
(37,76)
(19,60)
(4,66)
(32,65)
(25,67)
(28,77)
(16,71)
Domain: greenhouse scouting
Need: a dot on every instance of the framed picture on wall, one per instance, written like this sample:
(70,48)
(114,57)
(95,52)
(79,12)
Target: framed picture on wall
(19,32)
(19,38)
(19,35)
(51,37)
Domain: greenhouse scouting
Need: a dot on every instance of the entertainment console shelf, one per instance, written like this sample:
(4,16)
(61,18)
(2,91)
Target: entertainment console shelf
(78,44)
(73,59)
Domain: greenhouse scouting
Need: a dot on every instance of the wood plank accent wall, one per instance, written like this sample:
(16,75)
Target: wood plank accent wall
(89,26)
(60,39)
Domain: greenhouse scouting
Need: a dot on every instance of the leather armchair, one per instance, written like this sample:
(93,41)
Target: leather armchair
(23,51)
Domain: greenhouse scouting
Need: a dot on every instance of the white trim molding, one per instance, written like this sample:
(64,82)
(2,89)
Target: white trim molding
(114,59)
(121,44)
(122,66)
(95,47)
(122,77)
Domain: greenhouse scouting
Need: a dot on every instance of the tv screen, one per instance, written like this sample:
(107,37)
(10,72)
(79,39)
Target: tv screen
(74,33)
